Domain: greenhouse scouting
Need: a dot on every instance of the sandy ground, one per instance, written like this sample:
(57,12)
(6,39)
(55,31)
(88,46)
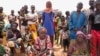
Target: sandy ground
(58,51)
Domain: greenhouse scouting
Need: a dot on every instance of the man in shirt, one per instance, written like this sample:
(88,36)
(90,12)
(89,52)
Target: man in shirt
(88,12)
(94,26)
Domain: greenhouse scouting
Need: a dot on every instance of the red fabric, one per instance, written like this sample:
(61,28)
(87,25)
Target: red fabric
(95,43)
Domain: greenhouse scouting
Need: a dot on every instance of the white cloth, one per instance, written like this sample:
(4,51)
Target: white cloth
(33,17)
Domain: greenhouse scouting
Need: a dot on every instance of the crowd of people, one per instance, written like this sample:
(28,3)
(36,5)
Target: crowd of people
(33,34)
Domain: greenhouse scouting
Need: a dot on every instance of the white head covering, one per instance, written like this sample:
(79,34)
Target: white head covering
(85,36)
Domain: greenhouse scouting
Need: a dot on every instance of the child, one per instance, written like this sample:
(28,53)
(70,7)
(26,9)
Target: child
(27,35)
(65,37)
(63,23)
(79,48)
(43,44)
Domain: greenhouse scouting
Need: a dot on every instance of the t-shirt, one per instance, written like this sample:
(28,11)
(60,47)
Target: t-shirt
(95,19)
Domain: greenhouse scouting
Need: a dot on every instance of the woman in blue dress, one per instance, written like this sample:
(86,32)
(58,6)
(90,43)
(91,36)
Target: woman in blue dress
(48,17)
(77,21)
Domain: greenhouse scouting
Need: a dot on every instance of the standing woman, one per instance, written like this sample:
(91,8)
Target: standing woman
(48,17)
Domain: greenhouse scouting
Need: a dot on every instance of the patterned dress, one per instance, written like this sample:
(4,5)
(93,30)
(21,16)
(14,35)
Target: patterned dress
(42,45)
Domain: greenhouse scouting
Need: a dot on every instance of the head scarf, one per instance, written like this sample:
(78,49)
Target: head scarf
(85,36)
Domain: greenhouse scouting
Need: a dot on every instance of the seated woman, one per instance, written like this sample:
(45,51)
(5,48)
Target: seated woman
(43,44)
(79,47)
(13,33)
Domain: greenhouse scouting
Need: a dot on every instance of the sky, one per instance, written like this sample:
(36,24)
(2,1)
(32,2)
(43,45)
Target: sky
(62,5)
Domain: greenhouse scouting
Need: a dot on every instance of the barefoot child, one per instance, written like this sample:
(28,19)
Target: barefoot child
(65,37)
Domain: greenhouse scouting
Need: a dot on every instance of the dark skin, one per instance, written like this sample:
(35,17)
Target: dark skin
(12,13)
(67,14)
(42,33)
(14,27)
(25,9)
(32,9)
(48,4)
(1,9)
(91,3)
(1,17)
(13,30)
